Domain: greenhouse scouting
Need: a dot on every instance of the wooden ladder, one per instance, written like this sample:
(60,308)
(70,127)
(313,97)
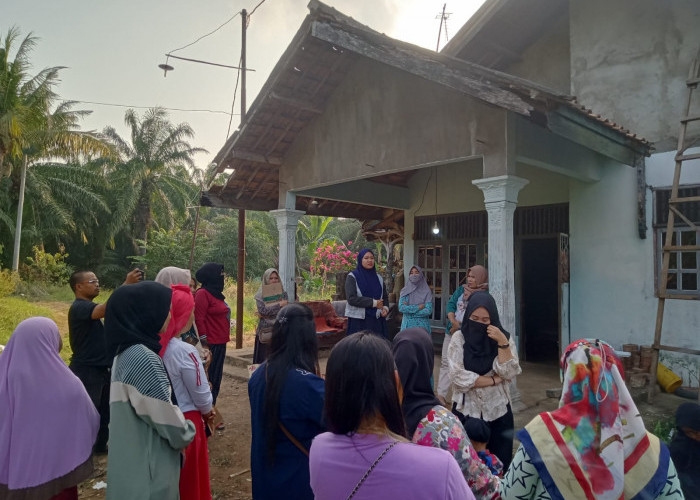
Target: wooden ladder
(675,210)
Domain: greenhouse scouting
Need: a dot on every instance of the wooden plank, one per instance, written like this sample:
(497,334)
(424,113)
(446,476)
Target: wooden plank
(245,186)
(680,296)
(683,217)
(681,248)
(296,103)
(684,350)
(419,65)
(256,157)
(686,199)
(693,156)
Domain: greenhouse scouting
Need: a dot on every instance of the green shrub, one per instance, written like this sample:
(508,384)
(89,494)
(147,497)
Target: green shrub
(46,268)
(663,429)
(8,282)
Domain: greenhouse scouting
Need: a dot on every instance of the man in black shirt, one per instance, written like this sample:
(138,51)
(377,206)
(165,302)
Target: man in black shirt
(91,361)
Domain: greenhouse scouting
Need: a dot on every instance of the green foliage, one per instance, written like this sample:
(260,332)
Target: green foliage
(261,243)
(8,282)
(13,311)
(663,429)
(169,248)
(47,268)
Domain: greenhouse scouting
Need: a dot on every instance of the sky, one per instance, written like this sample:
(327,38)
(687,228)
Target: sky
(111,51)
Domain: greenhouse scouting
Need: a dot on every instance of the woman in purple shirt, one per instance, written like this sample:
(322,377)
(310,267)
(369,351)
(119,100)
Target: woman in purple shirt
(366,455)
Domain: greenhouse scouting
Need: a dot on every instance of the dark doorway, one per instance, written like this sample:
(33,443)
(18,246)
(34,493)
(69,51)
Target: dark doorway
(539,312)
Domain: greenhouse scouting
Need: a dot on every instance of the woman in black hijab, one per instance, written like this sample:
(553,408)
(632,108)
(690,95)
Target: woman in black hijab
(213,319)
(483,360)
(685,449)
(428,422)
(146,431)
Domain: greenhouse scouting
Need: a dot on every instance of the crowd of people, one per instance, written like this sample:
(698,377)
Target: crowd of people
(142,387)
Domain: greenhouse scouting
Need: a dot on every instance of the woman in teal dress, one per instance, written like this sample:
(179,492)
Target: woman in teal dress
(416,301)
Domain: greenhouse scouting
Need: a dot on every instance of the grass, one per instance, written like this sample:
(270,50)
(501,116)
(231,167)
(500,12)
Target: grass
(53,301)
(14,310)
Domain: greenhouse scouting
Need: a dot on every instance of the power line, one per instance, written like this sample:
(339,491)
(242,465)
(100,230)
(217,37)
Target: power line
(215,111)
(233,104)
(210,33)
(256,8)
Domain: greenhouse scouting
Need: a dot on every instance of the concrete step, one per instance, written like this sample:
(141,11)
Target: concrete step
(236,372)
(239,357)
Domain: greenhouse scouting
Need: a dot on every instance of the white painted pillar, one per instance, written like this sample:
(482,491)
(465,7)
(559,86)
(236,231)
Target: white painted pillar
(287,222)
(500,199)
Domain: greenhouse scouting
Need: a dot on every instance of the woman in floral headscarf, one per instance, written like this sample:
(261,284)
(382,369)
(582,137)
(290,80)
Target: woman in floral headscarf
(595,445)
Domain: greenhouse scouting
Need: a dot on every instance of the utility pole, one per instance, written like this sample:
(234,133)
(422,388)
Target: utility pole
(442,20)
(240,278)
(20,209)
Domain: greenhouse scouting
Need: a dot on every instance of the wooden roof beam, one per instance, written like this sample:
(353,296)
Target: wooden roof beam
(245,186)
(241,154)
(296,103)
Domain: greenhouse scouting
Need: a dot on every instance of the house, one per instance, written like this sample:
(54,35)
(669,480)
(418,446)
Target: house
(561,197)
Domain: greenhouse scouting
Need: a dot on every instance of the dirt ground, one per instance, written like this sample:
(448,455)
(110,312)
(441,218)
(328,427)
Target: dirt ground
(229,450)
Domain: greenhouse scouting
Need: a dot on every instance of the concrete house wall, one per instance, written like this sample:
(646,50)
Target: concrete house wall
(628,60)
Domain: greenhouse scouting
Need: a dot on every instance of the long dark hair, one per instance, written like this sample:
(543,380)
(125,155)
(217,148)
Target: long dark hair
(360,384)
(293,345)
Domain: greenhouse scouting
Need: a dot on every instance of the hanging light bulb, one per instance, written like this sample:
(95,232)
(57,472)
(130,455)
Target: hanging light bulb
(436,229)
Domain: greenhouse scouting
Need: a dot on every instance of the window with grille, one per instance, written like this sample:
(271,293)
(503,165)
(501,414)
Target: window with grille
(684,266)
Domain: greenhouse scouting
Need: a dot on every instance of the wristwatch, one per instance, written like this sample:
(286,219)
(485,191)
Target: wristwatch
(506,346)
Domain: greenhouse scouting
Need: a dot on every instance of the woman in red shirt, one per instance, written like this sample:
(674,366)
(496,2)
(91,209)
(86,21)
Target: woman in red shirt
(213,318)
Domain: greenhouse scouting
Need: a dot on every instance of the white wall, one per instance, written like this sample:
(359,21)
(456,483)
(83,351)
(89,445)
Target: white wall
(612,269)
(630,59)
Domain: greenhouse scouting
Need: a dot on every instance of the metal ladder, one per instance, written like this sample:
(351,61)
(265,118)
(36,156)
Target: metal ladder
(675,210)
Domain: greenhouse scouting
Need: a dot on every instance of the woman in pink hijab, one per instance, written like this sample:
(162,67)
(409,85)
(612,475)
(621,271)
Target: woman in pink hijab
(48,423)
(477,280)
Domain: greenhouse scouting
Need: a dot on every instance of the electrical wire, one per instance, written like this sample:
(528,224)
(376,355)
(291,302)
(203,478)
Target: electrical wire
(233,104)
(210,33)
(216,111)
(256,8)
(424,191)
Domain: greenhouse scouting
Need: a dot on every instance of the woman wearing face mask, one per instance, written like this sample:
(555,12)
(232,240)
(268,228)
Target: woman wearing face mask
(477,280)
(367,301)
(482,361)
(416,301)
(213,318)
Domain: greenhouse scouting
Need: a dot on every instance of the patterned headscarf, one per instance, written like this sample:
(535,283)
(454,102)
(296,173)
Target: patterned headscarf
(595,444)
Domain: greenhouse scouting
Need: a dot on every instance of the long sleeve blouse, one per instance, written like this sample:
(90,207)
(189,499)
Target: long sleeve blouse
(413,316)
(357,300)
(213,317)
(267,313)
(441,429)
(187,376)
(487,403)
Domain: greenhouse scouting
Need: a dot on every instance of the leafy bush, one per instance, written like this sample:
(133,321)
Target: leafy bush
(8,282)
(47,268)
(664,428)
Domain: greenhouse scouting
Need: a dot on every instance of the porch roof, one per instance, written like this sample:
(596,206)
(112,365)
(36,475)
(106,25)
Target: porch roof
(317,60)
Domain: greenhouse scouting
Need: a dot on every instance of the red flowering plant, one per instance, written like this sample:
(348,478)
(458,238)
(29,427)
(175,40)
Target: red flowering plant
(332,257)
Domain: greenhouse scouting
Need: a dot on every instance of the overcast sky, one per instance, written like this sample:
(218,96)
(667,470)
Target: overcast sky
(111,50)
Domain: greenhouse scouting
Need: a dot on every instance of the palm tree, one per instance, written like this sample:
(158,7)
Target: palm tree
(30,134)
(151,179)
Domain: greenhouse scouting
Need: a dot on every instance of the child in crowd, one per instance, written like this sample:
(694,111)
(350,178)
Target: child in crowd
(479,434)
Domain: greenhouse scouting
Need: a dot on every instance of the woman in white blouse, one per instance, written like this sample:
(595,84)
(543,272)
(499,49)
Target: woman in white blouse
(482,362)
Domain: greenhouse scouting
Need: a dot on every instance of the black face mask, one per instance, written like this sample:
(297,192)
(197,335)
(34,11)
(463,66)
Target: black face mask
(478,328)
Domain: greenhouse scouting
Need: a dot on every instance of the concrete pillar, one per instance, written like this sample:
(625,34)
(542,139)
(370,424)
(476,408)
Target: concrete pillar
(500,199)
(287,222)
